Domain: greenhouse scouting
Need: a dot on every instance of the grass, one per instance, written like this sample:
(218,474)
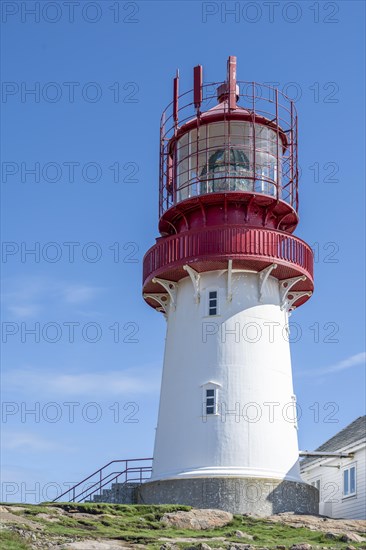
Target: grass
(12,541)
(141,524)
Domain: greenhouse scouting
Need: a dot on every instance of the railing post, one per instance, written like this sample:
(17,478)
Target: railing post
(292,155)
(254,141)
(161,167)
(73,494)
(100,482)
(126,471)
(175,102)
(277,149)
(297,160)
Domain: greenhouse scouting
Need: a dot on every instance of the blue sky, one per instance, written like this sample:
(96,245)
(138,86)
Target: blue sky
(100,88)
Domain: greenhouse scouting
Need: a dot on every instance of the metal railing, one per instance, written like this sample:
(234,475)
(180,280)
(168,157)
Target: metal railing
(267,107)
(233,242)
(132,471)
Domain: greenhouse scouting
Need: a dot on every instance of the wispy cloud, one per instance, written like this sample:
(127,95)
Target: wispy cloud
(26,441)
(353,361)
(79,294)
(32,297)
(24,311)
(139,381)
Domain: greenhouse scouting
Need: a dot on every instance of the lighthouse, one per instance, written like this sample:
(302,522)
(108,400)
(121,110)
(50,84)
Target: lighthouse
(226,272)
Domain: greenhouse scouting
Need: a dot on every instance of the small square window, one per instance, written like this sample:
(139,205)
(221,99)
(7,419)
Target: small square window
(210,402)
(212,302)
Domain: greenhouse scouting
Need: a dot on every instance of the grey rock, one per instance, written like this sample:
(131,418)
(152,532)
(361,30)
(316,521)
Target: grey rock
(352,537)
(301,546)
(197,519)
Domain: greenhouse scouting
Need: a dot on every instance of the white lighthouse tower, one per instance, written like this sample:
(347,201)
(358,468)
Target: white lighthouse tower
(226,272)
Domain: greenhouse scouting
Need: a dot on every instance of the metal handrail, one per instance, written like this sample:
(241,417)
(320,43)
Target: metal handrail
(98,485)
(118,474)
(106,481)
(103,477)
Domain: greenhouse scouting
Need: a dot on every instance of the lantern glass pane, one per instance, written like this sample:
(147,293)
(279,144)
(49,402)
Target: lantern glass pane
(226,156)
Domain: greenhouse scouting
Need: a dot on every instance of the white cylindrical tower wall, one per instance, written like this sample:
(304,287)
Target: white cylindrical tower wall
(243,354)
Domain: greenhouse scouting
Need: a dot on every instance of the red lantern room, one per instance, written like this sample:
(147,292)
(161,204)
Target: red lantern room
(228,186)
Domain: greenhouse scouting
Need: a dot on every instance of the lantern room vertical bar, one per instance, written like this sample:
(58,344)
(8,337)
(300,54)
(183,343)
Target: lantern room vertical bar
(161,167)
(175,101)
(277,148)
(292,189)
(175,118)
(254,140)
(197,100)
(296,168)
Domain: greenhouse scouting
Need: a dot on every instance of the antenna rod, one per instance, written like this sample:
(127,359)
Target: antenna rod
(197,86)
(231,80)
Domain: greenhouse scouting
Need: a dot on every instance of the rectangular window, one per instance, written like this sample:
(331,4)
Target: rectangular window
(212,302)
(210,402)
(349,481)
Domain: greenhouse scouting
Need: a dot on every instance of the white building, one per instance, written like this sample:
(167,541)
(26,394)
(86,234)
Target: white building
(341,481)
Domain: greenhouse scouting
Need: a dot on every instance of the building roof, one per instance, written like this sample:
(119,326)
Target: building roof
(350,434)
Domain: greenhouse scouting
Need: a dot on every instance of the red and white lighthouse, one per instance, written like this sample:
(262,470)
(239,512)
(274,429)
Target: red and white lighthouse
(226,272)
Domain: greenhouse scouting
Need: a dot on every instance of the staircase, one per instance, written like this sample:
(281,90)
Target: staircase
(119,493)
(116,482)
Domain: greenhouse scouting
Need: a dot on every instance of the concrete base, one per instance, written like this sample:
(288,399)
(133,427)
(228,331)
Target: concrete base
(263,497)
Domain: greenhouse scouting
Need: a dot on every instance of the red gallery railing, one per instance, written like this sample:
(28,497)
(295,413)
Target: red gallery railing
(237,243)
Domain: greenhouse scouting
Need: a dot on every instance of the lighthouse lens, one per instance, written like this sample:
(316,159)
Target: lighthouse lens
(228,156)
(226,170)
